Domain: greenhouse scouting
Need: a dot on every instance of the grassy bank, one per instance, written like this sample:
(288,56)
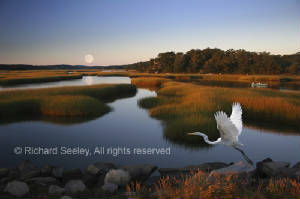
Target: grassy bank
(185,107)
(231,186)
(222,77)
(149,82)
(88,101)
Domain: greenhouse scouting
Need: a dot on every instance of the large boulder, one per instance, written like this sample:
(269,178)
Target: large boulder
(28,170)
(42,180)
(139,172)
(118,177)
(65,197)
(54,189)
(46,170)
(99,168)
(191,169)
(296,170)
(269,168)
(75,186)
(174,172)
(26,166)
(17,188)
(109,187)
(90,180)
(31,174)
(72,174)
(58,172)
(238,167)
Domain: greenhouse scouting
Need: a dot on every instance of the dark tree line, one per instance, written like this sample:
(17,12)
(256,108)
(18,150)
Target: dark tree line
(218,61)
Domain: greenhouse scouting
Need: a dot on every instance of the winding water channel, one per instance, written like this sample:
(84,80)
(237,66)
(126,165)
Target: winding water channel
(125,129)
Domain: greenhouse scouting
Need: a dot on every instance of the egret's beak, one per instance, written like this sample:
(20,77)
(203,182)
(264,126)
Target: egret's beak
(191,133)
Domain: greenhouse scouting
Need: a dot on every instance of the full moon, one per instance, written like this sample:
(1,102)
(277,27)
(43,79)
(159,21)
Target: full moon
(89,58)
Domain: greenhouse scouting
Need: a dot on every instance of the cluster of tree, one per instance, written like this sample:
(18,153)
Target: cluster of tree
(218,61)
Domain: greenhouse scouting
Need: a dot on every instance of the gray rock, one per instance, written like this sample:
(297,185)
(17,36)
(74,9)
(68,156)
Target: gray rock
(152,181)
(58,172)
(238,167)
(139,172)
(5,180)
(65,197)
(42,180)
(101,178)
(74,186)
(207,167)
(54,189)
(297,166)
(3,172)
(273,169)
(31,174)
(17,188)
(46,170)
(118,177)
(99,167)
(90,180)
(26,166)
(258,172)
(188,170)
(14,173)
(71,174)
(92,170)
(110,187)
(174,172)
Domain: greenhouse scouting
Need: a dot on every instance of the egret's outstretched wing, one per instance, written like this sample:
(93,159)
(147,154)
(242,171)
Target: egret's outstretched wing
(228,131)
(236,116)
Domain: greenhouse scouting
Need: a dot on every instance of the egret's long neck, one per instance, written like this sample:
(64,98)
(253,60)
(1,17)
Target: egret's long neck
(207,140)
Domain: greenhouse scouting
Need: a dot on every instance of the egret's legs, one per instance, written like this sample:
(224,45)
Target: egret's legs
(244,155)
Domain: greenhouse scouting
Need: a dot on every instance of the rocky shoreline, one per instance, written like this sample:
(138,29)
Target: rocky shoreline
(103,179)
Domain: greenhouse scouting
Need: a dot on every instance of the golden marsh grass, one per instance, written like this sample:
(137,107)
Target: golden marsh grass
(185,107)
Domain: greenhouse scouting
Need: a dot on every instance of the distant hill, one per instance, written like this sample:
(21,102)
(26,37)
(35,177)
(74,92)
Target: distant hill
(54,67)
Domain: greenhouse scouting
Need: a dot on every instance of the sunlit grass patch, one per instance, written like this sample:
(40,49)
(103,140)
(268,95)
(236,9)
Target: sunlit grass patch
(185,107)
(149,82)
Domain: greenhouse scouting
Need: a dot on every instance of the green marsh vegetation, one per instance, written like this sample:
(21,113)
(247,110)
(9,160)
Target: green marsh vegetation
(186,107)
(76,101)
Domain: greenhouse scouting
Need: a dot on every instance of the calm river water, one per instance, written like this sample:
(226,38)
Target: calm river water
(128,127)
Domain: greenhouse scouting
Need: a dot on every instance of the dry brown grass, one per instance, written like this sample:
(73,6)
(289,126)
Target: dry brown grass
(217,186)
(149,82)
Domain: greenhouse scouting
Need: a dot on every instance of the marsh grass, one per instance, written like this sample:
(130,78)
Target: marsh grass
(77,101)
(185,108)
(68,105)
(146,82)
(216,186)
(9,78)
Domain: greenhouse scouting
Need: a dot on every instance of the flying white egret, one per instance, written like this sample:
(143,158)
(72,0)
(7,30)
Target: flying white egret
(230,129)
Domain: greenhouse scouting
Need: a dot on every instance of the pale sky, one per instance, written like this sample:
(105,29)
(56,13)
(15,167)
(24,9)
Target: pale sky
(128,31)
